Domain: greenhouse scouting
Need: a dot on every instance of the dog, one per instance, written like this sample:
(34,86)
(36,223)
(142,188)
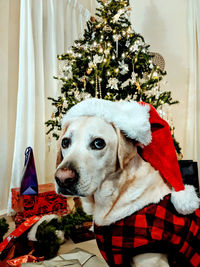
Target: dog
(97,162)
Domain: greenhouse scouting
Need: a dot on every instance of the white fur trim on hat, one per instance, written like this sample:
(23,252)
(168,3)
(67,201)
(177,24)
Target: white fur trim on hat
(185,201)
(130,117)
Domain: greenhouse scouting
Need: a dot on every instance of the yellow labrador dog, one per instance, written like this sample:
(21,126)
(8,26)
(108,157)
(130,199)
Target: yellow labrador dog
(97,161)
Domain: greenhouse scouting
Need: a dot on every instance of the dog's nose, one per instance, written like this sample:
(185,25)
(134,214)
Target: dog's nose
(65,177)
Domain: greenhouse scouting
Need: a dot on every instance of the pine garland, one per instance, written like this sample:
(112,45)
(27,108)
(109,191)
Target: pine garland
(49,242)
(4,226)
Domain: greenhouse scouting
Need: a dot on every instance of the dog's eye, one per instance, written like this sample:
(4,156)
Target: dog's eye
(65,143)
(98,144)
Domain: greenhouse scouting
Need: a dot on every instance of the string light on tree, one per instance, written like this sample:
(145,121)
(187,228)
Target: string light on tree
(109,61)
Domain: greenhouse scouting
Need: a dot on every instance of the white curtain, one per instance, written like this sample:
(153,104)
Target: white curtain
(9,46)
(192,136)
(47,28)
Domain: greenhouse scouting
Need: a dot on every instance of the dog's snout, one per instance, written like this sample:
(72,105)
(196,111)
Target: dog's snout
(65,177)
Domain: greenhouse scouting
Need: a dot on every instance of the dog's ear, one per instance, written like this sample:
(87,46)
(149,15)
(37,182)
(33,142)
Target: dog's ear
(59,152)
(126,149)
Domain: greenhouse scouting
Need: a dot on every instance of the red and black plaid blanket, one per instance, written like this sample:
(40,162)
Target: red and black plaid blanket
(156,228)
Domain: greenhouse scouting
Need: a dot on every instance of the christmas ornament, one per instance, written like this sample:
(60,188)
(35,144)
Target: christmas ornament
(124,67)
(113,83)
(88,71)
(67,71)
(107,29)
(97,59)
(91,65)
(155,75)
(116,38)
(107,52)
(117,16)
(151,64)
(133,77)
(126,83)
(158,60)
(138,86)
(92,19)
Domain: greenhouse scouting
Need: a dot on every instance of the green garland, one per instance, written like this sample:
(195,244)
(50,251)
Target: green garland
(48,242)
(3,228)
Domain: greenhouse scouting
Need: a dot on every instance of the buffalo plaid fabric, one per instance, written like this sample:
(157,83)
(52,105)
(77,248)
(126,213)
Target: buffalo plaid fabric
(156,228)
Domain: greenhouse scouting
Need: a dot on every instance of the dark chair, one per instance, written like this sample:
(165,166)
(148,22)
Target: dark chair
(189,172)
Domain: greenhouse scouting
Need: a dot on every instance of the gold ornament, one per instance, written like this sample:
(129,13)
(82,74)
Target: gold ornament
(138,86)
(107,29)
(89,71)
(97,26)
(92,19)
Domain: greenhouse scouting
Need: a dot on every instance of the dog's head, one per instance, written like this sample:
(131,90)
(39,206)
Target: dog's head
(90,150)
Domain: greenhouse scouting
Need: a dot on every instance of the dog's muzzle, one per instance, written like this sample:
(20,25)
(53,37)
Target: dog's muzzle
(66,179)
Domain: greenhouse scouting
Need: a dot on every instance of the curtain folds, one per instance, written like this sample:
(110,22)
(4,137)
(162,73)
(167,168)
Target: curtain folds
(47,28)
(192,136)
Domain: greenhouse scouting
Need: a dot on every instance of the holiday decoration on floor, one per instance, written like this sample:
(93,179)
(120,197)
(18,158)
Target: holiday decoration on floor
(51,231)
(111,61)
(33,199)
(3,228)
(40,237)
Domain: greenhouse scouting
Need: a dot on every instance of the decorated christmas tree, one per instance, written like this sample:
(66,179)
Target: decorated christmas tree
(111,61)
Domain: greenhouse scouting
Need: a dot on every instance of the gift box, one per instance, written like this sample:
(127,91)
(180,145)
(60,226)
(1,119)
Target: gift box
(47,201)
(9,247)
(19,217)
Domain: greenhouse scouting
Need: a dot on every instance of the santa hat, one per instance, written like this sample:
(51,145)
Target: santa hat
(141,122)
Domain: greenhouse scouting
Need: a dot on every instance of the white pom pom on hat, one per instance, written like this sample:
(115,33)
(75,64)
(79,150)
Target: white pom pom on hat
(141,122)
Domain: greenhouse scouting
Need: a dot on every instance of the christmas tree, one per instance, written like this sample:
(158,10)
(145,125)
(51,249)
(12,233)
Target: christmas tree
(111,61)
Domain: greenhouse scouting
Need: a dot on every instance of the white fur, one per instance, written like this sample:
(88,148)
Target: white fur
(112,191)
(185,201)
(130,117)
(146,187)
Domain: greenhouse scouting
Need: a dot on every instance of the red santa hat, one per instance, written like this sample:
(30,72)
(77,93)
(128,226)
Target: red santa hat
(141,122)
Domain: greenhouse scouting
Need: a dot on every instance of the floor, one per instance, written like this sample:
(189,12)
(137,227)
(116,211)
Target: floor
(89,246)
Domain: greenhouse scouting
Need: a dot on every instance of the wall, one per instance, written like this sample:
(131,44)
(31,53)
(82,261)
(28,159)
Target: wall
(163,24)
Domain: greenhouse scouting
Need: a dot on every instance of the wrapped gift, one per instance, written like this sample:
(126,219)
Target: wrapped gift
(20,218)
(46,202)
(7,247)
